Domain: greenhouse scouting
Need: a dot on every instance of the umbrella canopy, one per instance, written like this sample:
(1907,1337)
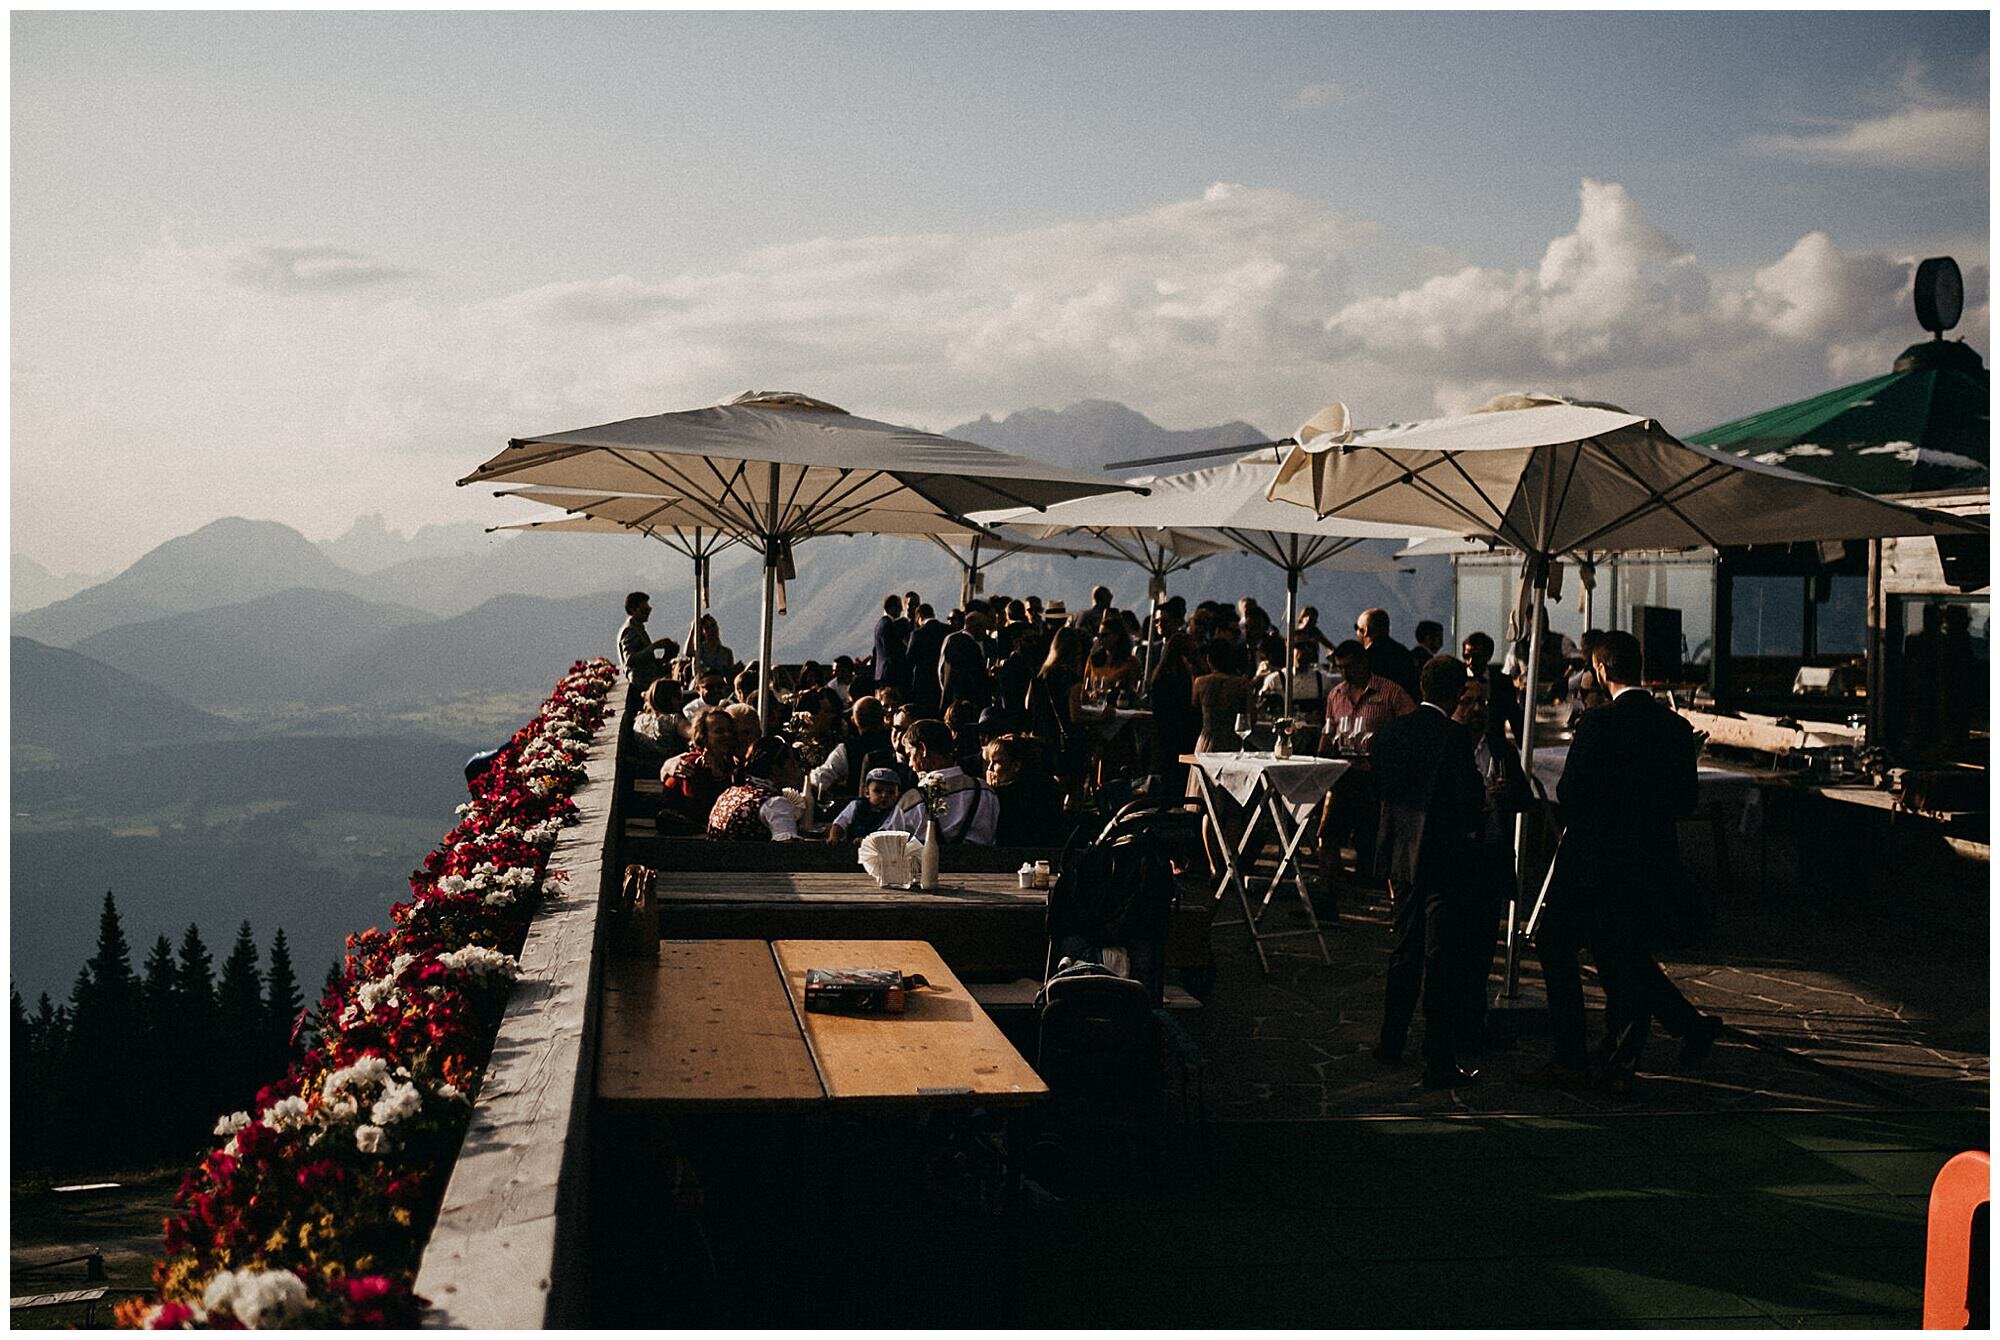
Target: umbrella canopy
(1220,509)
(775,468)
(1547,476)
(1922,427)
(976,548)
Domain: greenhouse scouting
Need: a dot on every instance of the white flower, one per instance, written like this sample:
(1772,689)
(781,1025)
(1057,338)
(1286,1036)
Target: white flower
(371,995)
(451,885)
(257,1298)
(232,1123)
(368,1139)
(480,962)
(398,1101)
(449,1092)
(286,1114)
(367,1070)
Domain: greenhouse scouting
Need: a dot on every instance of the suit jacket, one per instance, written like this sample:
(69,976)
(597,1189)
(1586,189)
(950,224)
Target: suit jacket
(1503,715)
(1393,661)
(926,644)
(962,674)
(891,652)
(1629,776)
(1432,798)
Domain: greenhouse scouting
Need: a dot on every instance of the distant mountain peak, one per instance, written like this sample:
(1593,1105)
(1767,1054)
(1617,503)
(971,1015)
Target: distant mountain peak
(1091,433)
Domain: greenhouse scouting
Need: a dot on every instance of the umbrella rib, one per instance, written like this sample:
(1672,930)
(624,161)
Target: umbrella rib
(1499,513)
(1549,521)
(1438,495)
(1655,498)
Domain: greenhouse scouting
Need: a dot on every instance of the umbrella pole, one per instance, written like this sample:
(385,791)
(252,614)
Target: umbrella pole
(770,603)
(1291,629)
(1154,588)
(1511,986)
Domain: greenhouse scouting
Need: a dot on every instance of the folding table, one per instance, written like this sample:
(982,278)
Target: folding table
(1286,791)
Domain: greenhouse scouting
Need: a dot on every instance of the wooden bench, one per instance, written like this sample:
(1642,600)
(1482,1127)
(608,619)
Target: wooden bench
(88,1297)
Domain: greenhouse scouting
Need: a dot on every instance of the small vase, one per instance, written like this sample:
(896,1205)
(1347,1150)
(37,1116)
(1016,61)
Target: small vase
(933,849)
(1283,748)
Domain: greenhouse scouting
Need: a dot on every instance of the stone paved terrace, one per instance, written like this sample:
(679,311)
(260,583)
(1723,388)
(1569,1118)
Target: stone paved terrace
(1783,1183)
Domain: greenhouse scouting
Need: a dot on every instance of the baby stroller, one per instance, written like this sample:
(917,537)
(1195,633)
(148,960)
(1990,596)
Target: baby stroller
(1103,1035)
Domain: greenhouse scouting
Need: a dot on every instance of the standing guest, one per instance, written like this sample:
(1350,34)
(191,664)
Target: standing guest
(1201,624)
(710,656)
(842,682)
(1386,656)
(1584,690)
(1432,803)
(756,808)
(1308,629)
(1429,640)
(1310,685)
(1030,801)
(1507,794)
(1033,604)
(971,810)
(1017,669)
(1054,696)
(892,645)
(962,673)
(1176,720)
(1357,709)
(865,813)
(1091,620)
(1629,776)
(1504,705)
(1111,668)
(1222,696)
(691,782)
(744,686)
(925,661)
(1256,624)
(639,652)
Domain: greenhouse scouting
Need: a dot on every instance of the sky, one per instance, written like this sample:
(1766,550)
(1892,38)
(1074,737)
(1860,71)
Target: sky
(310,266)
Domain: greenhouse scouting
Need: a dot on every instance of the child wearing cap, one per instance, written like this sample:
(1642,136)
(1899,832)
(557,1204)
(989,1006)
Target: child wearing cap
(863,815)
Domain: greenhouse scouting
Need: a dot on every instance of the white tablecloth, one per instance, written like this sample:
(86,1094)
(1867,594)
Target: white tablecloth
(1301,781)
(1108,724)
(1713,786)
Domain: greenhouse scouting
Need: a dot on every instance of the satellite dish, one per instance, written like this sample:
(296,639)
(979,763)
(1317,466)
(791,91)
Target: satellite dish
(1329,426)
(1940,293)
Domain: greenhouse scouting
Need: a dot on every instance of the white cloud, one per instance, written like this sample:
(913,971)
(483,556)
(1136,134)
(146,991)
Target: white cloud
(1917,128)
(1312,97)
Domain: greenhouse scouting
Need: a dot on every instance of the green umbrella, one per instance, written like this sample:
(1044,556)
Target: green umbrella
(1920,428)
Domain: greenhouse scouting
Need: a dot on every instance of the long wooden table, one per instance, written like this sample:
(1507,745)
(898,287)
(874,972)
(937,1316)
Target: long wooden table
(721,1025)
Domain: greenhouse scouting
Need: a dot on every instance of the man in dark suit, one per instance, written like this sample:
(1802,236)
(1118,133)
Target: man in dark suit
(1432,800)
(892,646)
(1386,656)
(1507,794)
(1629,777)
(1503,710)
(925,655)
(962,673)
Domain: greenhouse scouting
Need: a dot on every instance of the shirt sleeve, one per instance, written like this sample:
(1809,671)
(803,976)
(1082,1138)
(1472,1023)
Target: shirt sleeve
(832,772)
(779,816)
(985,820)
(845,819)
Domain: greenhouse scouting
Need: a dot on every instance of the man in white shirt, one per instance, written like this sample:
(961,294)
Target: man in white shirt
(971,809)
(635,648)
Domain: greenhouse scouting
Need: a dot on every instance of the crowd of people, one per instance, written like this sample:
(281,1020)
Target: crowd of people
(1004,721)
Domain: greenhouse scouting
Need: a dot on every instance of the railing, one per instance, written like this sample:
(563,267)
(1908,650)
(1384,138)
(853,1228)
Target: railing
(506,1252)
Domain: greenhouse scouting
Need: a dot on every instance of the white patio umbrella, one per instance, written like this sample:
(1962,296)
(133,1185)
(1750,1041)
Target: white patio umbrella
(1220,509)
(976,549)
(1546,476)
(775,468)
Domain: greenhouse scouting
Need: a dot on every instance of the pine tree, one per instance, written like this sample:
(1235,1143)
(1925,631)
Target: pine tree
(199,1097)
(175,1127)
(281,1005)
(99,1090)
(239,1003)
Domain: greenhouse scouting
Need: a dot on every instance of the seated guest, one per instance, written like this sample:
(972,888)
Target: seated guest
(816,727)
(846,764)
(710,691)
(865,813)
(1030,801)
(749,729)
(756,808)
(971,810)
(661,729)
(745,685)
(693,780)
(963,718)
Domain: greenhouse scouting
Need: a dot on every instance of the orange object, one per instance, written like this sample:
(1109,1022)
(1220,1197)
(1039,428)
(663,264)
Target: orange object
(1958,1196)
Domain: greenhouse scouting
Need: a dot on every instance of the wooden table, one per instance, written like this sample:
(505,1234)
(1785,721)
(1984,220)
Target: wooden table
(941,1050)
(979,923)
(708,1024)
(721,1025)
